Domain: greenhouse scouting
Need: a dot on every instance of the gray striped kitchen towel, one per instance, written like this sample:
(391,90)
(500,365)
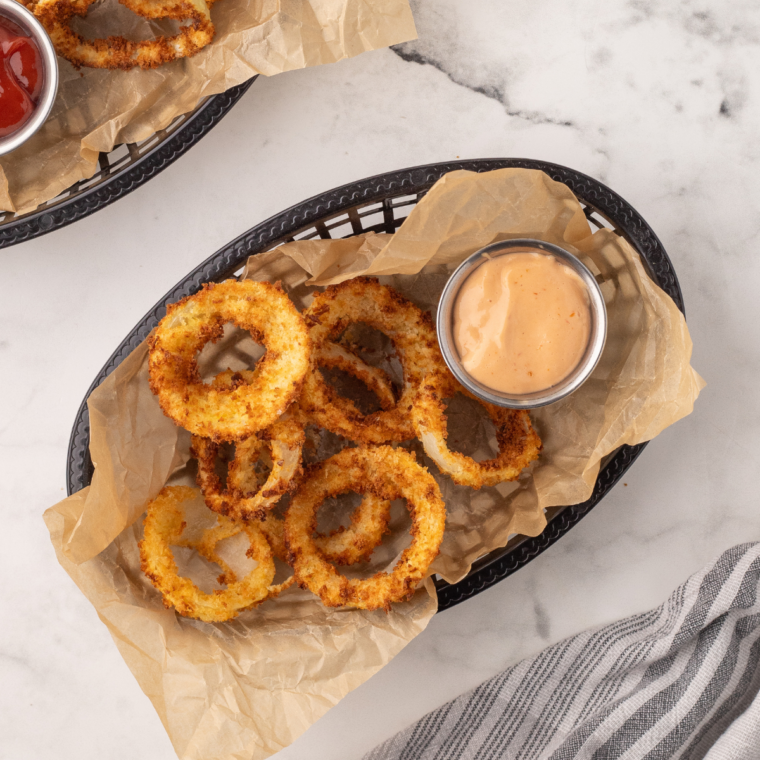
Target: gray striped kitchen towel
(680,681)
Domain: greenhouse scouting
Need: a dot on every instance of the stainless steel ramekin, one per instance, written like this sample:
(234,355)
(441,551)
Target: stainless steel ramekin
(19,15)
(539,398)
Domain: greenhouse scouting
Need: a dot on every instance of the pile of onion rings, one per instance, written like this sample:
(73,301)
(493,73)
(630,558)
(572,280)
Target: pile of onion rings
(264,410)
(119,52)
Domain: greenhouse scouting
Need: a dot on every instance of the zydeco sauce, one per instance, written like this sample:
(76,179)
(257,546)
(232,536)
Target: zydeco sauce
(20,77)
(522,322)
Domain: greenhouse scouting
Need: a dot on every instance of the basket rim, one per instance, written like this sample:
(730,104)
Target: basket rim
(281,227)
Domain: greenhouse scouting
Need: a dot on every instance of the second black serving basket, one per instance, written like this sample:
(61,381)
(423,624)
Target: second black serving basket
(380,204)
(120,171)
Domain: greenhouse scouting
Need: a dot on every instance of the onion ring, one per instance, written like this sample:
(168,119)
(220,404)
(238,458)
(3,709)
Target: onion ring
(118,52)
(164,523)
(235,413)
(245,498)
(519,443)
(388,473)
(413,336)
(206,547)
(344,546)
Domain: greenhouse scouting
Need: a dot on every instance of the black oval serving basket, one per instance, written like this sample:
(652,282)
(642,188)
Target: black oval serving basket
(120,171)
(380,204)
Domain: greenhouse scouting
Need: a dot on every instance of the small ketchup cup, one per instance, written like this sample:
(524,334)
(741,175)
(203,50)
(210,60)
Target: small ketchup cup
(576,378)
(17,17)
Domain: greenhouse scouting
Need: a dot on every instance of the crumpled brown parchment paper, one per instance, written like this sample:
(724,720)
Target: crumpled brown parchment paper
(249,687)
(96,109)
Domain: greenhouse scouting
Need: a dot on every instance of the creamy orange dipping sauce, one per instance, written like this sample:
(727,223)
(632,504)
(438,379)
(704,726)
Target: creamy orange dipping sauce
(522,322)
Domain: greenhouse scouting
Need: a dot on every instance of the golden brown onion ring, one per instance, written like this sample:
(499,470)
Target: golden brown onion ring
(389,474)
(118,52)
(164,524)
(244,498)
(229,414)
(518,442)
(411,331)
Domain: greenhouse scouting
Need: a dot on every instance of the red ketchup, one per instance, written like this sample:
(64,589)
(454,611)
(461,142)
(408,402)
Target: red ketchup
(20,77)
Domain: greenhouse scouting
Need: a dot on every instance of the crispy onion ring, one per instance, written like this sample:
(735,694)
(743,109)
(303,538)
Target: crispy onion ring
(206,547)
(245,498)
(235,413)
(411,331)
(118,52)
(344,546)
(387,473)
(519,443)
(164,523)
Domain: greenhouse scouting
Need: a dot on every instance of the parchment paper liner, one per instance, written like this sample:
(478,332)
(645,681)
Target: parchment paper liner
(97,109)
(249,687)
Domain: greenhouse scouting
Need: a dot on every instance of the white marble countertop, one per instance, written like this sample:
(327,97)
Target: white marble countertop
(659,99)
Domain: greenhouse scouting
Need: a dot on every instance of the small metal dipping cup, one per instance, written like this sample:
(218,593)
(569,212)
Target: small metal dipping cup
(26,20)
(445,325)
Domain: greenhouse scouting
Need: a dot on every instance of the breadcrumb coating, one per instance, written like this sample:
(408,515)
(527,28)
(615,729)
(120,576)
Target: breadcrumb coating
(389,474)
(234,413)
(164,524)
